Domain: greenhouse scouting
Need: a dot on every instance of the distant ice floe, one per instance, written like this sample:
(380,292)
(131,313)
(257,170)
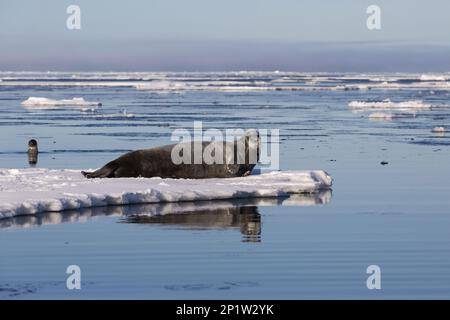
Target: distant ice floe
(214,85)
(388,116)
(163,85)
(123,114)
(239,81)
(31,191)
(381,116)
(388,104)
(39,103)
(387,110)
(438,130)
(433,77)
(352,87)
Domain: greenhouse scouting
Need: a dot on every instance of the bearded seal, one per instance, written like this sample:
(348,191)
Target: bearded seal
(32,152)
(218,159)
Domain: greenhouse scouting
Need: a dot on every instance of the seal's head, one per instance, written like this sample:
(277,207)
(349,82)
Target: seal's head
(32,144)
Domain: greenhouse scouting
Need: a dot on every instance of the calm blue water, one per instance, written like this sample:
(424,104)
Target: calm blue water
(396,216)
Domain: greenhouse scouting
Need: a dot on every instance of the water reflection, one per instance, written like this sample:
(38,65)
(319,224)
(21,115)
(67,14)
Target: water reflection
(245,218)
(241,214)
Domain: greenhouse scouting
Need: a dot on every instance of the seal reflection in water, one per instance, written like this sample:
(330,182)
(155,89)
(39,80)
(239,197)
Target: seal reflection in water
(32,152)
(216,159)
(247,219)
(211,217)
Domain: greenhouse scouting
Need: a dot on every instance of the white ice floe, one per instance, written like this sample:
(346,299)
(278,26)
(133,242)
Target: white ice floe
(438,130)
(390,116)
(432,77)
(417,85)
(215,85)
(388,104)
(163,85)
(30,191)
(351,87)
(381,116)
(45,103)
(123,114)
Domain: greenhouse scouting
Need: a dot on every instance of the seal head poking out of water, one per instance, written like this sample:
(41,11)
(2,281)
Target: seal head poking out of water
(189,160)
(32,152)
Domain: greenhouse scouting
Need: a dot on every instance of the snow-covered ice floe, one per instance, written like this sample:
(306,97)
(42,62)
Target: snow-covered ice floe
(39,103)
(31,191)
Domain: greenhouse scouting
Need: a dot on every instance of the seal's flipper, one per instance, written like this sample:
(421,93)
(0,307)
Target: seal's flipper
(85,173)
(247,173)
(104,172)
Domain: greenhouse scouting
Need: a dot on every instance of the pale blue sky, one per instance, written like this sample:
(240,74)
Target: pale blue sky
(180,35)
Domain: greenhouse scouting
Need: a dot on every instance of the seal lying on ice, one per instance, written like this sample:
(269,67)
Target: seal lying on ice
(218,159)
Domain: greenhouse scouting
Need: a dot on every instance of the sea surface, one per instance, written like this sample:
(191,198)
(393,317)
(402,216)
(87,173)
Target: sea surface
(389,205)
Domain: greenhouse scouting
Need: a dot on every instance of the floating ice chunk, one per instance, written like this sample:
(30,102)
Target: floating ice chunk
(125,114)
(30,191)
(388,104)
(438,130)
(432,77)
(120,115)
(390,116)
(45,103)
(381,116)
(163,85)
(351,87)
